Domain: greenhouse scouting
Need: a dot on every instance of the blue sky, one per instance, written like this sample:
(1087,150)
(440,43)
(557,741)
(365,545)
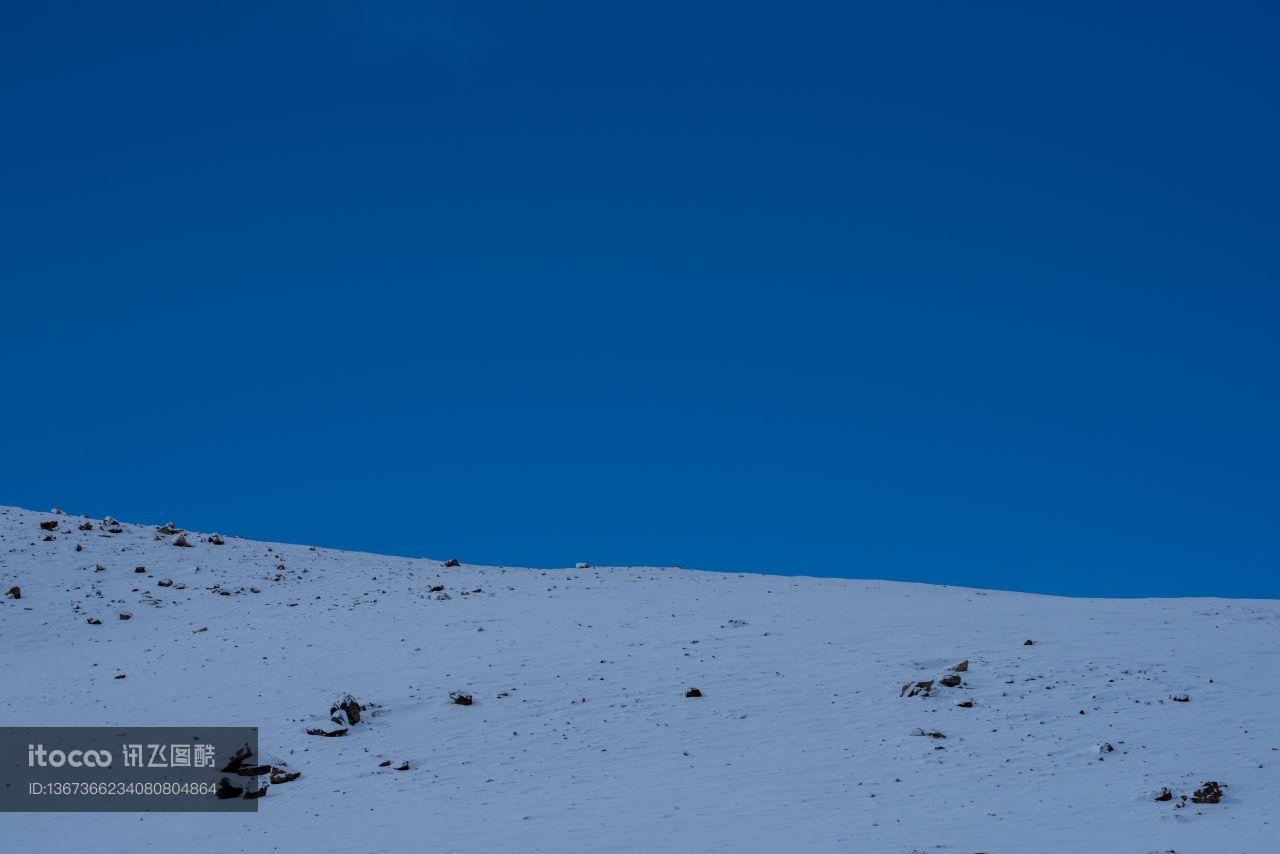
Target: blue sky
(976,294)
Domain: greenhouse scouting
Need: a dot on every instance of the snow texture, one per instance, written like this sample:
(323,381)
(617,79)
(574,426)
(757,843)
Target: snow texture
(580,735)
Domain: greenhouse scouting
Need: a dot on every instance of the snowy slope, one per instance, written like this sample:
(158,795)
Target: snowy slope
(581,737)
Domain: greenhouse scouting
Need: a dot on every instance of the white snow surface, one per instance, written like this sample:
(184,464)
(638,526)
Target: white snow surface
(581,737)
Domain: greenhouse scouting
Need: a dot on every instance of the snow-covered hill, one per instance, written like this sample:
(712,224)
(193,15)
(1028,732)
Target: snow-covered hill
(581,736)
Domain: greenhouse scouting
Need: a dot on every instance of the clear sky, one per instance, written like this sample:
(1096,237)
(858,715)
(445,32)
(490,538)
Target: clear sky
(980,294)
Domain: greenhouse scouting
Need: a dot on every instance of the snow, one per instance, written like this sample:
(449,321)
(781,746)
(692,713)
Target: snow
(581,736)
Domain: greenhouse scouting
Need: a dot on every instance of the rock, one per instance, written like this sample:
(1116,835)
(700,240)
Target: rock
(403,766)
(1208,793)
(935,734)
(165,582)
(460,699)
(111,526)
(14,592)
(126,616)
(1180,698)
(693,692)
(253,770)
(49,538)
(435,588)
(917,732)
(201,629)
(451,562)
(384,763)
(962,666)
(1105,747)
(922,689)
(582,565)
(168,530)
(79,547)
(966,704)
(254,794)
(181,542)
(86,526)
(327,733)
(279,775)
(49,526)
(949,681)
(347,706)
(1028,642)
(216,540)
(139,569)
(237,759)
(226,790)
(1165,795)
(122,676)
(94,621)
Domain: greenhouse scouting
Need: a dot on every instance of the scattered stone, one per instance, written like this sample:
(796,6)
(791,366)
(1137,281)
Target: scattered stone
(460,699)
(165,582)
(347,706)
(966,704)
(126,616)
(168,530)
(254,590)
(1180,698)
(94,621)
(237,759)
(1208,793)
(1165,795)
(962,666)
(384,763)
(181,542)
(582,565)
(226,790)
(253,770)
(201,629)
(49,526)
(214,539)
(949,681)
(79,547)
(49,538)
(327,733)
(693,692)
(279,775)
(404,766)
(86,526)
(451,562)
(139,569)
(1028,642)
(1106,747)
(435,588)
(14,592)
(120,676)
(111,526)
(921,689)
